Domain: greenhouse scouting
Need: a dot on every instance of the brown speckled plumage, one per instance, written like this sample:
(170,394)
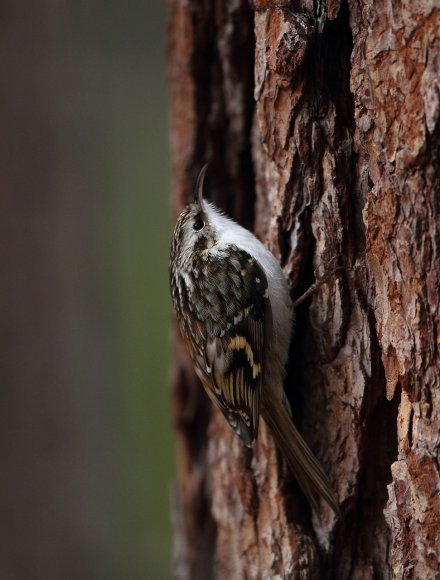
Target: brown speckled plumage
(220,299)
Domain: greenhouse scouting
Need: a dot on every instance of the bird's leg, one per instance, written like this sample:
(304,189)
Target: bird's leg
(316,286)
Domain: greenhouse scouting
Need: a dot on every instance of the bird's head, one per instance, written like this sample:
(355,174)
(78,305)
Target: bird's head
(198,225)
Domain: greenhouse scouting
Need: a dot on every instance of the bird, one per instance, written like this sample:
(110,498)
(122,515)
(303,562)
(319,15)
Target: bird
(235,315)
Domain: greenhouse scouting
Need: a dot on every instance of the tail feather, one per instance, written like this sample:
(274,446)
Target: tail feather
(305,467)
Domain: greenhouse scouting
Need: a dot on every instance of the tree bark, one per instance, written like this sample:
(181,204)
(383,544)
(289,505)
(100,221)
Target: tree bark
(321,125)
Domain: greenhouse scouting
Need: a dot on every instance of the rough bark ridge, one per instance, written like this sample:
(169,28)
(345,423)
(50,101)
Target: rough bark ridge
(337,152)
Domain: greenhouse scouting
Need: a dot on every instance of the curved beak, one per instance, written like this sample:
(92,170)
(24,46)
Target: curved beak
(198,190)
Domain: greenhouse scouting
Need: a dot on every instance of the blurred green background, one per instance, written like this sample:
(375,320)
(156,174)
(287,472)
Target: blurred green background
(85,437)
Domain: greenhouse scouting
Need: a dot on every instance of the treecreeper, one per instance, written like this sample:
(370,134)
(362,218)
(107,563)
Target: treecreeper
(235,315)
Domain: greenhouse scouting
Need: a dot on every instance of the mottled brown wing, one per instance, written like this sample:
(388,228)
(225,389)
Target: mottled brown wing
(234,357)
(222,306)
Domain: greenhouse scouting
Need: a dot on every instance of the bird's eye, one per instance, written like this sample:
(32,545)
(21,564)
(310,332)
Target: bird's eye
(198,224)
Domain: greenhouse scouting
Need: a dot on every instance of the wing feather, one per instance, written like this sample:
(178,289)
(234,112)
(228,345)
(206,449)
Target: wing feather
(236,358)
(225,334)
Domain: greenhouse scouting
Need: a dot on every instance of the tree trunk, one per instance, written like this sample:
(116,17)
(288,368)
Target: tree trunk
(321,125)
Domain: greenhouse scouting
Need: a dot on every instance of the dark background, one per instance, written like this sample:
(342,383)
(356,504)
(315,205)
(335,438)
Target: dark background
(85,437)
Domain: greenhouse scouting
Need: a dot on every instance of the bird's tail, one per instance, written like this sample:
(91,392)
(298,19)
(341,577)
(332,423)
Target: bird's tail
(305,467)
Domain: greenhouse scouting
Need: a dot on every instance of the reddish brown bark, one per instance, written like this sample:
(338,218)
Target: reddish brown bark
(336,154)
